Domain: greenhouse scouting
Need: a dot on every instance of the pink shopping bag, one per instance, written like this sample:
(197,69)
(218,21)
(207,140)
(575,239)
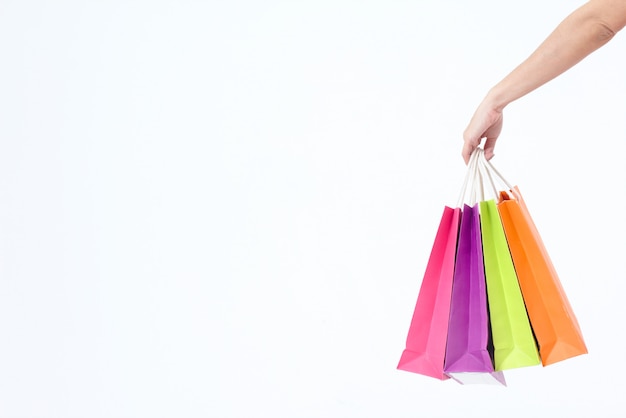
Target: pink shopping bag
(426,341)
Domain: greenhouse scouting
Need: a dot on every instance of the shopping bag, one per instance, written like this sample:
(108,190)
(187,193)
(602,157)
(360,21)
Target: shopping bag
(469,347)
(513,340)
(426,340)
(557,331)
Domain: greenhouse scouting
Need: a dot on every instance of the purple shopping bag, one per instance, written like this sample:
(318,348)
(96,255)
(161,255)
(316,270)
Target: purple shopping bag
(468,357)
(426,340)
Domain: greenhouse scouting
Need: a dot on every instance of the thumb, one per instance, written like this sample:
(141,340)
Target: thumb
(468,149)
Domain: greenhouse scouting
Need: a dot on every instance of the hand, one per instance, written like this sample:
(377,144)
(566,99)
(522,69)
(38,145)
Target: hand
(486,123)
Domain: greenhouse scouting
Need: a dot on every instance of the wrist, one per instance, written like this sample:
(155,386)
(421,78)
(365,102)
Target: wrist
(496,99)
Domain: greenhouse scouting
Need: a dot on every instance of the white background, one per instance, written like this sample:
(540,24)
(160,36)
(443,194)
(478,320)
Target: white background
(225,208)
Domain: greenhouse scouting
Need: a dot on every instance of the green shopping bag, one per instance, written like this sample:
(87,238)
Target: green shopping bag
(513,340)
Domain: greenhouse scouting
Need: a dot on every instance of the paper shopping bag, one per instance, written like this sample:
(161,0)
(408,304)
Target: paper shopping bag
(468,357)
(513,340)
(426,340)
(552,318)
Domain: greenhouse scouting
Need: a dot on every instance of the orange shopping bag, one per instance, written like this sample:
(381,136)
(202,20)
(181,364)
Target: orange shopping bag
(553,321)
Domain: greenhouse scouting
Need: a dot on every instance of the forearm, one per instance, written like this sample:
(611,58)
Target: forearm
(581,33)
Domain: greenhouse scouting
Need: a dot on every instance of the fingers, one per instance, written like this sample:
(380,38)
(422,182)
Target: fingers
(470,145)
(485,124)
(472,136)
(472,141)
(468,149)
(490,144)
(490,134)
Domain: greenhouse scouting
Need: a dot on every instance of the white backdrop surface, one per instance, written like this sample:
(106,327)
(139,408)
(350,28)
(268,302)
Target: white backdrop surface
(225,208)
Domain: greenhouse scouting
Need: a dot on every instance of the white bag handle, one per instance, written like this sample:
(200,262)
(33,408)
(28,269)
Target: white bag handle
(491,169)
(486,175)
(478,187)
(479,172)
(468,191)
